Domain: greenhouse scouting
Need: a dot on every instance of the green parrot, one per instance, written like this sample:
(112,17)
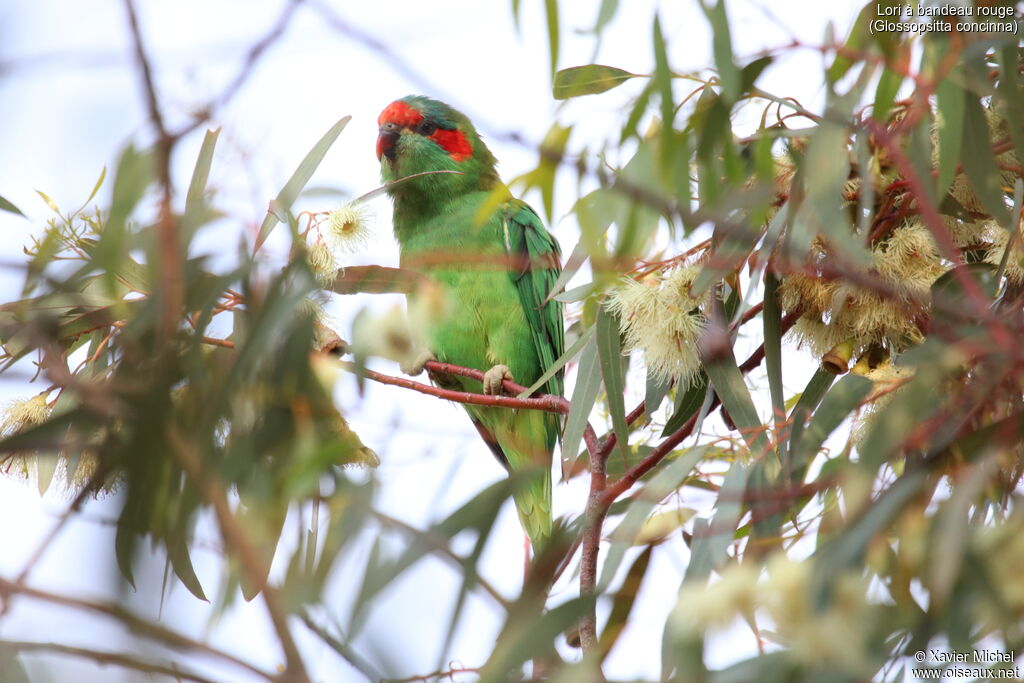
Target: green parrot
(494,265)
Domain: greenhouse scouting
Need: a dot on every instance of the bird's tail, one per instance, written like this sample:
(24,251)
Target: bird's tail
(533,503)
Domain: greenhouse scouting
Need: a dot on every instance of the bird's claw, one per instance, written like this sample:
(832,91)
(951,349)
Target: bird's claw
(494,377)
(414,366)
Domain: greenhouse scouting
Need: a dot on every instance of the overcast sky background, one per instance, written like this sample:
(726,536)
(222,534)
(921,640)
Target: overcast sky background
(70,100)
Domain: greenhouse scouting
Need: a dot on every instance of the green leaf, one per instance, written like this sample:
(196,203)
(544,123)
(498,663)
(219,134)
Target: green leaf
(181,562)
(663,81)
(772,321)
(95,188)
(952,100)
(721,43)
(726,378)
(979,162)
(888,86)
(605,14)
(9,207)
(286,197)
(847,549)
(667,479)
(610,352)
(551,14)
(841,400)
(569,354)
(201,172)
(591,79)
(809,398)
(588,382)
(687,403)
(860,36)
(1009,94)
(11,668)
(530,636)
(622,603)
(711,539)
(655,391)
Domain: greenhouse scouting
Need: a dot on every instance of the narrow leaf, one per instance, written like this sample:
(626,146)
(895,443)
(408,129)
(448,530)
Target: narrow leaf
(588,382)
(9,207)
(302,174)
(591,79)
(201,172)
(711,539)
(772,321)
(610,353)
(569,354)
(728,382)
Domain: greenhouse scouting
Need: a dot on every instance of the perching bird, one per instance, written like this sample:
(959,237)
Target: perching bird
(495,265)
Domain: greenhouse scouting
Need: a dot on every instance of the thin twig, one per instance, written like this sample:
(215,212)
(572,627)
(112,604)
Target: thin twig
(135,624)
(105,658)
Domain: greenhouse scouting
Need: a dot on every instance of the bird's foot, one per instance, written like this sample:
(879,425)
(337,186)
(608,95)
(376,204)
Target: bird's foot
(414,366)
(494,377)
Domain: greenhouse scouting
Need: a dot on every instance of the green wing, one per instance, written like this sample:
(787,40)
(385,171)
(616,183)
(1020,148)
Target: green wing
(536,265)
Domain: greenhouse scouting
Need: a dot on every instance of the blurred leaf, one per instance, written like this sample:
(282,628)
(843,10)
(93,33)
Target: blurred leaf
(11,668)
(298,181)
(588,382)
(181,562)
(888,86)
(950,119)
(952,529)
(622,603)
(861,35)
(610,353)
(751,72)
(551,15)
(9,207)
(711,539)
(667,479)
(1009,93)
(591,79)
(847,549)
(605,14)
(663,81)
(979,161)
(377,280)
(133,176)
(529,636)
(721,45)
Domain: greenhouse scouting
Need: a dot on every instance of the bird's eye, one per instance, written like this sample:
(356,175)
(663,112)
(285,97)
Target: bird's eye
(426,128)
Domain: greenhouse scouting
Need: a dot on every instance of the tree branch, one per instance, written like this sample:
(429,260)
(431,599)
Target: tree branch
(105,658)
(135,624)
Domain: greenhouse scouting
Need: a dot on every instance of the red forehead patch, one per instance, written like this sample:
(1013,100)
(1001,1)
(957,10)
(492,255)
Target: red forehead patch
(400,113)
(453,142)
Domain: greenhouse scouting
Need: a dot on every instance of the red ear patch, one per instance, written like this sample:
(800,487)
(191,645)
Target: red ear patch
(453,142)
(400,113)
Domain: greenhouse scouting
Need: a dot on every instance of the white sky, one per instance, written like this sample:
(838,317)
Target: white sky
(70,101)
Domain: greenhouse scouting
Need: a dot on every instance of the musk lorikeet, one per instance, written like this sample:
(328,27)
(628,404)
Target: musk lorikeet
(494,265)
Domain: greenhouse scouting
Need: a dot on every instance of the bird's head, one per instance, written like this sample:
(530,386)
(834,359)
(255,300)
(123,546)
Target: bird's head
(418,134)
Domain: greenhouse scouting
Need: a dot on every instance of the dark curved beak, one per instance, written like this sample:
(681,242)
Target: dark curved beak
(386,139)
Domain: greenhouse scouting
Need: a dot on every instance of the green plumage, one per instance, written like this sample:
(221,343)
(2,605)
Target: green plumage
(495,265)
